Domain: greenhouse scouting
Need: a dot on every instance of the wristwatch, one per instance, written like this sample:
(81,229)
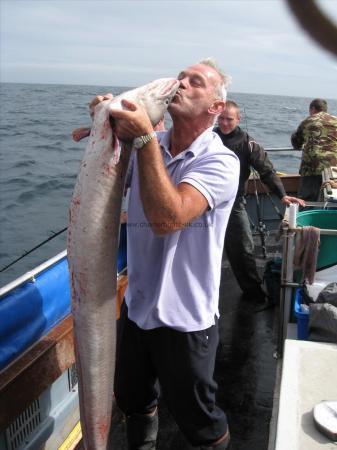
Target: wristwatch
(140,141)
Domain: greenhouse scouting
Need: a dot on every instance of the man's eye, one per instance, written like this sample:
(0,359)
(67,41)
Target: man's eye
(195,82)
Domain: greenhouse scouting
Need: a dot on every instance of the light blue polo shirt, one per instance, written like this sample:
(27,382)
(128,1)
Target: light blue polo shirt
(174,279)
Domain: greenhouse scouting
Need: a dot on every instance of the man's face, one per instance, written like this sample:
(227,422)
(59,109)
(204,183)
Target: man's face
(196,92)
(228,120)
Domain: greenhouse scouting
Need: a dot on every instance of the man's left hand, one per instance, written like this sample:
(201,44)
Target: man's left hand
(287,200)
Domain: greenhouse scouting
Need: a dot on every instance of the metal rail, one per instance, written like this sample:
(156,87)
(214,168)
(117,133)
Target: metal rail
(287,279)
(30,275)
(324,231)
(287,273)
(282,149)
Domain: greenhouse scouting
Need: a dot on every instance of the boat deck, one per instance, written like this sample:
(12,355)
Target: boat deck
(245,371)
(308,377)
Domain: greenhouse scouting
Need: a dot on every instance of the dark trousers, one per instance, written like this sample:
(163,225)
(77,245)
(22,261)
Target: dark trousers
(239,247)
(184,365)
(310,188)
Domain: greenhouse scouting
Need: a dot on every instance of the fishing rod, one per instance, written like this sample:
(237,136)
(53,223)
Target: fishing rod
(265,191)
(261,226)
(54,235)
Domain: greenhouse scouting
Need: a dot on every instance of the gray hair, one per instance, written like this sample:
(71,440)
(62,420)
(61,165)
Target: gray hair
(221,89)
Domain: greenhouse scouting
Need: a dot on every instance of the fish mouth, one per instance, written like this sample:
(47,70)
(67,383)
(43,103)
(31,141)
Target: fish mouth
(171,86)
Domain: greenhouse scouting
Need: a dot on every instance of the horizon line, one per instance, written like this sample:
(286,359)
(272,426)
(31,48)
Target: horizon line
(123,86)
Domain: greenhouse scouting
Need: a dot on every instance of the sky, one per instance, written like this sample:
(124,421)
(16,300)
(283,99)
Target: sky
(129,43)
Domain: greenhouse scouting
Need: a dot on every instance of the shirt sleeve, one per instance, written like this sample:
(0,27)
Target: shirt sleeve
(297,138)
(216,176)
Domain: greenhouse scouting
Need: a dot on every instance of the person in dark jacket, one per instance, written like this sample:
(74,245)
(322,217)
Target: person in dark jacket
(239,243)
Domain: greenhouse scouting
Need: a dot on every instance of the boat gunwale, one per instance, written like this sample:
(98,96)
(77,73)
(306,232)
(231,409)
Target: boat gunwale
(31,274)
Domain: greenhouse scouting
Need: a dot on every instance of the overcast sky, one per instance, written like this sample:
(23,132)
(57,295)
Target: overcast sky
(128,43)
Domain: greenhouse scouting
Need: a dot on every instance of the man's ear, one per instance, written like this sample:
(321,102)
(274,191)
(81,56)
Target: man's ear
(217,107)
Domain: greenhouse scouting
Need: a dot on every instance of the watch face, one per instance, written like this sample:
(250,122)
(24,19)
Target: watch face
(138,143)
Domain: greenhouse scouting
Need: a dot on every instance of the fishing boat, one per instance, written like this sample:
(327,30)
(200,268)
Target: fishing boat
(38,381)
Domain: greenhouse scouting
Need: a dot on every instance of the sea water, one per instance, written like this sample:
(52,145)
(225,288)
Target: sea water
(39,161)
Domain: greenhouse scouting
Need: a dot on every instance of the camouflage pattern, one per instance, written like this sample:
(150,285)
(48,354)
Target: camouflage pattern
(317,136)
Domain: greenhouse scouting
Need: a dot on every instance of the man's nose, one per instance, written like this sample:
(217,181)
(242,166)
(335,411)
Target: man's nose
(183,83)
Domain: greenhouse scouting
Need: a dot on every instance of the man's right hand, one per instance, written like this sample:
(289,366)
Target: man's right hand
(120,126)
(131,122)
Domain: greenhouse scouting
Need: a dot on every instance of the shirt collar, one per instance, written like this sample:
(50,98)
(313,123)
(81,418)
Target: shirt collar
(164,138)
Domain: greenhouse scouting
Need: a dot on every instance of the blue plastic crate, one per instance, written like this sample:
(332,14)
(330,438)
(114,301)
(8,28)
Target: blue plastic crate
(302,317)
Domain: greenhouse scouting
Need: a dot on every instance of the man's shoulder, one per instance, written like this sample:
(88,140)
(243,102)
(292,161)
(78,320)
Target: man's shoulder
(319,119)
(307,120)
(236,138)
(329,118)
(251,139)
(209,143)
(221,155)
(218,147)
(241,136)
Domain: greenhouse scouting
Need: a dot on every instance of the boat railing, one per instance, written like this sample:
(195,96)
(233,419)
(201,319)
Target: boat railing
(287,275)
(322,231)
(31,274)
(282,149)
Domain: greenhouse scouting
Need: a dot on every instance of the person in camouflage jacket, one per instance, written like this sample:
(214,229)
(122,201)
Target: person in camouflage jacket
(317,136)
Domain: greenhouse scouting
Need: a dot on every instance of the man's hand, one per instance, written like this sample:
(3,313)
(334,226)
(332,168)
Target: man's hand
(124,217)
(332,183)
(127,124)
(132,122)
(98,99)
(287,200)
(80,133)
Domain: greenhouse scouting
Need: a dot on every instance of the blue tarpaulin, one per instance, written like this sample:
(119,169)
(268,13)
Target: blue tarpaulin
(32,310)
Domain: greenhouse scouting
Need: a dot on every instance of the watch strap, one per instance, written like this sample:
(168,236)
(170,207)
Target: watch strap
(140,141)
